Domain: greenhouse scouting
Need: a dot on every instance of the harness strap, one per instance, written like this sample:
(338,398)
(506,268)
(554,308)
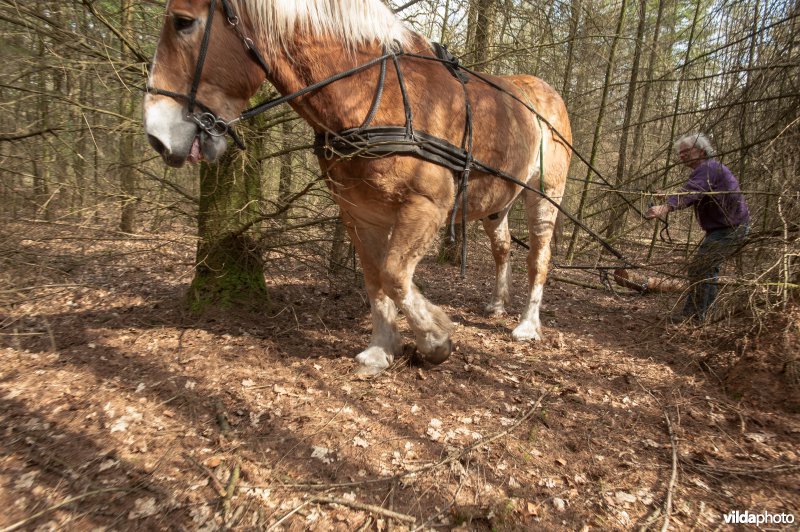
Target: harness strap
(541,155)
(233,20)
(406,106)
(383,141)
(269,104)
(376,101)
(201,56)
(467,145)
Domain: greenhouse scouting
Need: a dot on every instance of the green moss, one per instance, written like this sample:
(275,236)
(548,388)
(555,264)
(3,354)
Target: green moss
(230,275)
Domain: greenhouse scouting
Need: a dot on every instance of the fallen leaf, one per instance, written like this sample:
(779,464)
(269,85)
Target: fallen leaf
(623,497)
(143,508)
(322,454)
(25,482)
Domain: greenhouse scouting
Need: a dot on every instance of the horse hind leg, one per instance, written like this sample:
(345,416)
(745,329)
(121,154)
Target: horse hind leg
(541,220)
(418,222)
(386,341)
(500,239)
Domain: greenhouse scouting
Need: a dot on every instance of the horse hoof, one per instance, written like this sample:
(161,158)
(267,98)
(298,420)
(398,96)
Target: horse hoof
(525,332)
(440,354)
(494,310)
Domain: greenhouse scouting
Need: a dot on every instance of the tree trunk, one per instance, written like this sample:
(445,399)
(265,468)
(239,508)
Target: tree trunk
(127,173)
(617,213)
(673,126)
(598,128)
(575,19)
(450,251)
(285,176)
(40,163)
(484,25)
(638,134)
(230,269)
(341,249)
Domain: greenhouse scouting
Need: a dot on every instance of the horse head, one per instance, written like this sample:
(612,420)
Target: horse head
(201,78)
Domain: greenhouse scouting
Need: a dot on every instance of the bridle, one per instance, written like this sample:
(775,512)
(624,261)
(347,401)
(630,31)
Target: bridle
(201,114)
(210,122)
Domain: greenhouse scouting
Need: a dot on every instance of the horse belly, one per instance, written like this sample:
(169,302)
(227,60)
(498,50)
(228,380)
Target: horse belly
(373,190)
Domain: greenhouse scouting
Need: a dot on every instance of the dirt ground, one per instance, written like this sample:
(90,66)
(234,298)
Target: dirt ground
(121,411)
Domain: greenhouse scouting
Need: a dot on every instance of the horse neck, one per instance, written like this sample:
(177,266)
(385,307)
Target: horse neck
(309,59)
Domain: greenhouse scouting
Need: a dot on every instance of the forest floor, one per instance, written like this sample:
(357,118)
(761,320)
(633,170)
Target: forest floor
(119,410)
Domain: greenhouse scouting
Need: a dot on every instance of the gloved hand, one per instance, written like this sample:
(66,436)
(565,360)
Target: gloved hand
(657,211)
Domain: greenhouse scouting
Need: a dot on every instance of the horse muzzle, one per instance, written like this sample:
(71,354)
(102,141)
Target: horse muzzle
(202,148)
(177,138)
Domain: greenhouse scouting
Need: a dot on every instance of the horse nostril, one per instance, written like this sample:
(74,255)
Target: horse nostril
(156,144)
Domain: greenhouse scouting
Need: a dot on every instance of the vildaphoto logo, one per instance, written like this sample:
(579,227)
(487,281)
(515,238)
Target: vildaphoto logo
(764,518)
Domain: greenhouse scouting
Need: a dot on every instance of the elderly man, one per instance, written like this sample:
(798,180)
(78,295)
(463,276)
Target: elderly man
(721,210)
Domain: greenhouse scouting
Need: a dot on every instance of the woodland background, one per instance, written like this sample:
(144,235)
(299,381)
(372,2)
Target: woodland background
(124,406)
(634,75)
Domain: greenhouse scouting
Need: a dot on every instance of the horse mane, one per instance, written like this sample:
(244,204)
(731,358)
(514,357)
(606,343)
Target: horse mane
(353,22)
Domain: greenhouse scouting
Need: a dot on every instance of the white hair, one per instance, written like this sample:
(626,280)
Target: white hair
(354,22)
(695,140)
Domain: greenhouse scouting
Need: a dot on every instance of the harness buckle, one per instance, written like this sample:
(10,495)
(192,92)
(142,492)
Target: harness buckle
(216,127)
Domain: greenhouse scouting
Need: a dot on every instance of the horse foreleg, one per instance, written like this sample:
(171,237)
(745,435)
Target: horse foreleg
(386,342)
(500,239)
(418,221)
(541,220)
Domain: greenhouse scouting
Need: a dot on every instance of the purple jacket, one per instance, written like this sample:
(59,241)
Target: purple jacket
(725,208)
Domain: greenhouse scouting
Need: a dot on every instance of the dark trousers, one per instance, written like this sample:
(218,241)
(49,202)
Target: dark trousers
(705,265)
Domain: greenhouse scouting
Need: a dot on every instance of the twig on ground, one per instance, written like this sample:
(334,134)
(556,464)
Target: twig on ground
(367,508)
(449,459)
(709,469)
(444,510)
(20,524)
(652,518)
(277,523)
(210,474)
(576,283)
(673,477)
(222,418)
(230,489)
(667,509)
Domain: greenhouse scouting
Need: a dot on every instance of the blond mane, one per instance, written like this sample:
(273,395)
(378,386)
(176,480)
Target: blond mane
(353,22)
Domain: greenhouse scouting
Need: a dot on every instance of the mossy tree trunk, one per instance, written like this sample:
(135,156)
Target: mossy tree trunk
(230,267)
(450,250)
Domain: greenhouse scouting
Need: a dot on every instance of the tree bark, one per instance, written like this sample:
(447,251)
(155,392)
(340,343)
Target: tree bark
(484,25)
(617,213)
(638,133)
(127,172)
(230,268)
(598,128)
(674,122)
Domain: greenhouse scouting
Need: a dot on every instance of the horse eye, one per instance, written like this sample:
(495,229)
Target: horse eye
(182,23)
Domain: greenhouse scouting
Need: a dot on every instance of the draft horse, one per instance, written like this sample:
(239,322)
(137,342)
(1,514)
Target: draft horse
(212,56)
